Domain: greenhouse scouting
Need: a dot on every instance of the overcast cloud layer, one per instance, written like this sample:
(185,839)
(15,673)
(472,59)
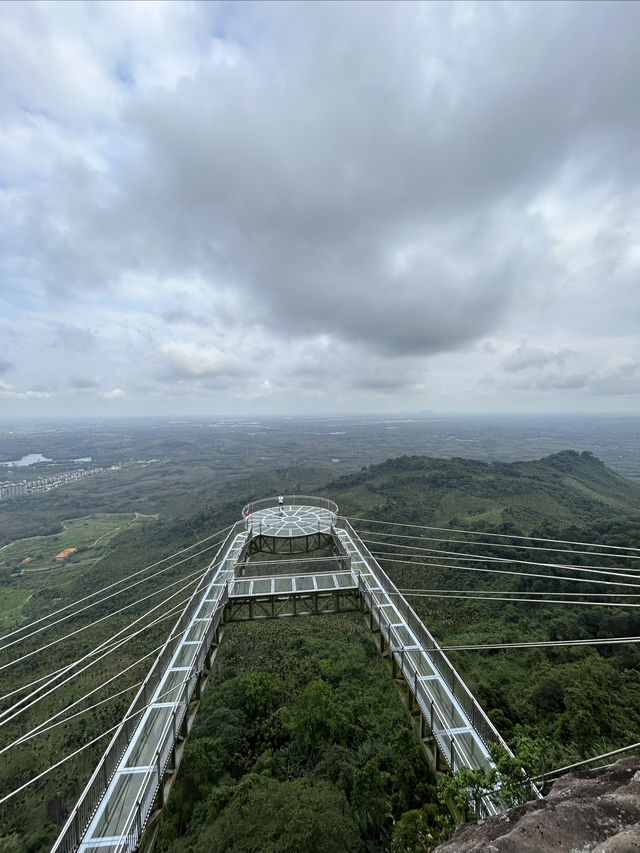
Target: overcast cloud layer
(242,208)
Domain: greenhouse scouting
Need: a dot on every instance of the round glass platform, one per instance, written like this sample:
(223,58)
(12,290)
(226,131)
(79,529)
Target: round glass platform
(290,520)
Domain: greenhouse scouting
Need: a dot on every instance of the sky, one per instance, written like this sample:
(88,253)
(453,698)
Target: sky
(236,208)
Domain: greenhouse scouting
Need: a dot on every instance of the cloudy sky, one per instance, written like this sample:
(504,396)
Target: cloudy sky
(227,208)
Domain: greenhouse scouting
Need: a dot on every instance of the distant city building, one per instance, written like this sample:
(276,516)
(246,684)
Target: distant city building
(9,489)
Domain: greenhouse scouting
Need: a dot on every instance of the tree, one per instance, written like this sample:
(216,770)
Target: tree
(507,775)
(263,692)
(267,816)
(316,716)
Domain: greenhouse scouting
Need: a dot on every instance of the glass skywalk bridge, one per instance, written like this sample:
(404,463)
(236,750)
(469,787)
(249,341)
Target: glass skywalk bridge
(129,786)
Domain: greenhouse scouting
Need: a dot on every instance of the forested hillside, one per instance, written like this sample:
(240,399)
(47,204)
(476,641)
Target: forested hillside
(302,732)
(561,491)
(557,705)
(471,589)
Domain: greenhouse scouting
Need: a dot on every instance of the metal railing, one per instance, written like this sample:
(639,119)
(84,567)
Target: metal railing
(431,708)
(84,810)
(139,812)
(473,710)
(290,500)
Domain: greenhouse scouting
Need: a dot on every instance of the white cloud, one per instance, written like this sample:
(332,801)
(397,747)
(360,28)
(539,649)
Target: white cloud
(185,359)
(114,394)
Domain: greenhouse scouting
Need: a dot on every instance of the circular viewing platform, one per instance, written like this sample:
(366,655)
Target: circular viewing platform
(299,515)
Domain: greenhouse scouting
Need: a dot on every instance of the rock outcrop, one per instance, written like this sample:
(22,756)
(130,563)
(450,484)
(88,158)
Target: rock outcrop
(590,811)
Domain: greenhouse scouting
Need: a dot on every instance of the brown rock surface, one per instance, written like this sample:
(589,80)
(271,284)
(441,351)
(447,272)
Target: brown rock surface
(591,811)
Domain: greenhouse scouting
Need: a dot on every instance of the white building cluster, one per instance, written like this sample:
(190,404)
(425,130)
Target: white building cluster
(9,489)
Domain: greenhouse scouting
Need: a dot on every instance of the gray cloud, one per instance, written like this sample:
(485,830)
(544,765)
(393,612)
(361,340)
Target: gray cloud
(83,383)
(525,357)
(5,366)
(400,179)
(74,337)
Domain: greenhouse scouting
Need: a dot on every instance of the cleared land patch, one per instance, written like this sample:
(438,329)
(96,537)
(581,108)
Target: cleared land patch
(28,565)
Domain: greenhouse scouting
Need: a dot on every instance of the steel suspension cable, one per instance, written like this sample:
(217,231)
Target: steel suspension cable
(539,644)
(55,642)
(47,728)
(88,744)
(6,715)
(543,776)
(106,598)
(500,535)
(423,538)
(596,570)
(40,728)
(58,672)
(384,556)
(116,583)
(507,592)
(521,600)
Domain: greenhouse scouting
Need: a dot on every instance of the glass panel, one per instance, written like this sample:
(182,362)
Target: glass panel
(241,587)
(283,584)
(215,590)
(197,631)
(303,584)
(325,582)
(185,655)
(421,663)
(144,752)
(472,750)
(171,685)
(206,609)
(452,716)
(103,848)
(117,808)
(403,635)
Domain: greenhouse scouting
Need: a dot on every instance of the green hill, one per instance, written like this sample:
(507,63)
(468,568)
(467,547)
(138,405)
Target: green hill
(578,701)
(563,490)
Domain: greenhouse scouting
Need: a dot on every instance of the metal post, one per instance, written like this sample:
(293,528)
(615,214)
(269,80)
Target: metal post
(160,788)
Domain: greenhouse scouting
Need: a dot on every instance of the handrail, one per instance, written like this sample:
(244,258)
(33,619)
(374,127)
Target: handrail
(476,715)
(290,500)
(398,653)
(85,808)
(135,823)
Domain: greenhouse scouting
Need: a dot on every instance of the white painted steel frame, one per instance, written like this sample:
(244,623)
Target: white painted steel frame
(277,585)
(120,803)
(113,810)
(459,725)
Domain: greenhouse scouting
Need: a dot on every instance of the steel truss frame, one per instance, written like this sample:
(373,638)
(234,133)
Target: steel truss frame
(460,731)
